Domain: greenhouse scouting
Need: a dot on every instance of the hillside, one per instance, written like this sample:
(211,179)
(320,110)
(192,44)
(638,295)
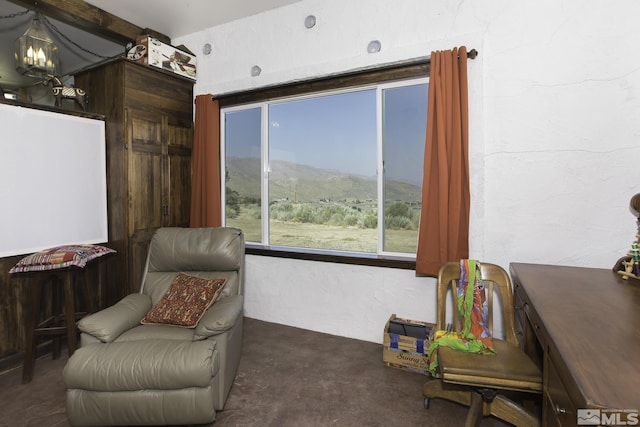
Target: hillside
(308,184)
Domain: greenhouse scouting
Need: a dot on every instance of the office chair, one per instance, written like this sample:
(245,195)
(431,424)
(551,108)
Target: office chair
(483,381)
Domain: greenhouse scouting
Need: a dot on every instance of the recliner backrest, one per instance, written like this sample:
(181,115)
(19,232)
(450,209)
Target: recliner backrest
(210,252)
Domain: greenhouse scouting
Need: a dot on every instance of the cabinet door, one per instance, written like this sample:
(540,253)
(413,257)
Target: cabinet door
(180,142)
(145,168)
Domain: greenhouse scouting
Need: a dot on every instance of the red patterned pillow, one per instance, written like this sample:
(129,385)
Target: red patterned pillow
(60,257)
(186,301)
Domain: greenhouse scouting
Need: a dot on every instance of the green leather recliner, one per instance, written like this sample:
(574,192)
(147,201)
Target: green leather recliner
(127,373)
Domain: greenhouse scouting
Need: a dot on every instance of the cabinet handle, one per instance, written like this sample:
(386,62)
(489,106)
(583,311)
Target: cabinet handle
(559,410)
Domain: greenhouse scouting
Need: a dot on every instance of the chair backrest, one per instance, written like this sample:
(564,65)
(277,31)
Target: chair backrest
(211,252)
(496,281)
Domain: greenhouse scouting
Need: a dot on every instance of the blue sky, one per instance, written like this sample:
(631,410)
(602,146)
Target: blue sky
(404,132)
(329,132)
(339,132)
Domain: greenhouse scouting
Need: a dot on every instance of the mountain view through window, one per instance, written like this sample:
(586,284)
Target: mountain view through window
(333,172)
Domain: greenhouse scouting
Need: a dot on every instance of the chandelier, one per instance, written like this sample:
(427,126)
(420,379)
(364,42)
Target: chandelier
(35,53)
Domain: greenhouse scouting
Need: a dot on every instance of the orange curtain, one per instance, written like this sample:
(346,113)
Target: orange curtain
(205,181)
(444,221)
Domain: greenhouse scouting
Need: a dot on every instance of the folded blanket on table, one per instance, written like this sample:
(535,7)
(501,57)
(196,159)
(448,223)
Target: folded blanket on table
(475,336)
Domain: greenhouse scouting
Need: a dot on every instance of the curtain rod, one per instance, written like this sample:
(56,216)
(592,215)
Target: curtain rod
(471,54)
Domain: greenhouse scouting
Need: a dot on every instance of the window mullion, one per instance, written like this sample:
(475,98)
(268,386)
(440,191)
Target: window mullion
(380,170)
(266,169)
(223,167)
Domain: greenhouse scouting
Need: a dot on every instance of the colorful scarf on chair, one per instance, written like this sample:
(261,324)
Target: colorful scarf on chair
(475,336)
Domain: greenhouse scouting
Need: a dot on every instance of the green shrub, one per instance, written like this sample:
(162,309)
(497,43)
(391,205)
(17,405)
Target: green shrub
(398,223)
(281,211)
(336,219)
(399,209)
(350,220)
(304,213)
(370,221)
(232,208)
(254,211)
(400,215)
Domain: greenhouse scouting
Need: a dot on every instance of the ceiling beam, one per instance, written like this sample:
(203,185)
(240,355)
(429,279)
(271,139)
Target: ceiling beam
(89,18)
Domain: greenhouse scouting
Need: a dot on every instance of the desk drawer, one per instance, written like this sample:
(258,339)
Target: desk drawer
(558,409)
(518,305)
(527,318)
(525,330)
(536,323)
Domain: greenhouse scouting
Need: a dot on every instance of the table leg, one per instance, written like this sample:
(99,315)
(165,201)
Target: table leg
(56,289)
(31,320)
(70,313)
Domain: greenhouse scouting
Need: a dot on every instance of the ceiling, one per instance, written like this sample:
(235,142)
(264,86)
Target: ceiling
(172,18)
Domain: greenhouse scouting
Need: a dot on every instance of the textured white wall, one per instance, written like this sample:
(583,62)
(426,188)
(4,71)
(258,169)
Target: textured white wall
(339,299)
(555,127)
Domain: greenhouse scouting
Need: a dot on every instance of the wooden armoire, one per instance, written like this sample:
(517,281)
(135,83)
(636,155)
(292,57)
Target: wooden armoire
(149,137)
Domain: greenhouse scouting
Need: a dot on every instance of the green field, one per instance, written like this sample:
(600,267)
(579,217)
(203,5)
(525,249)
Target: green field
(321,209)
(324,236)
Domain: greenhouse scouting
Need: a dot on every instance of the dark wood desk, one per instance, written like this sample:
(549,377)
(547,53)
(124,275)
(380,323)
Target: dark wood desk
(586,323)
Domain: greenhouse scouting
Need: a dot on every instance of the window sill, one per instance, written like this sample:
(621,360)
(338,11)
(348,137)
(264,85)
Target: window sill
(406,264)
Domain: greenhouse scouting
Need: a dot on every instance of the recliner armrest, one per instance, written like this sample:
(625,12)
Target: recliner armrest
(110,323)
(220,317)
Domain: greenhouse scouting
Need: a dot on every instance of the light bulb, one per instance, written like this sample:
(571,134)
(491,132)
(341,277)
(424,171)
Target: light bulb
(41,58)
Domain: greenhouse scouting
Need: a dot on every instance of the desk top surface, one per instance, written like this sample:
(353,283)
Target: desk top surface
(592,317)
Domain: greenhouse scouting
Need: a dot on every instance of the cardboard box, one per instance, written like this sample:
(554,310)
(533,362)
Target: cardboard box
(405,344)
(406,360)
(155,53)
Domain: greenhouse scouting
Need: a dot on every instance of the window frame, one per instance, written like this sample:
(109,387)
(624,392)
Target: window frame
(341,82)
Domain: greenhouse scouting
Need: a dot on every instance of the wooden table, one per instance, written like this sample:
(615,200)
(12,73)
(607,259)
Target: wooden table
(53,291)
(586,324)
(54,284)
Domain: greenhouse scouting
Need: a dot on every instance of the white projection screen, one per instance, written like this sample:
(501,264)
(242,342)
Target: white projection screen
(53,188)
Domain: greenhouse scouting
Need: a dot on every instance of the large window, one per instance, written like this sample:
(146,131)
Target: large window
(336,171)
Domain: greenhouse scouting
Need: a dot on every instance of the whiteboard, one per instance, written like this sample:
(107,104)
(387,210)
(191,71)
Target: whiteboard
(53,187)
